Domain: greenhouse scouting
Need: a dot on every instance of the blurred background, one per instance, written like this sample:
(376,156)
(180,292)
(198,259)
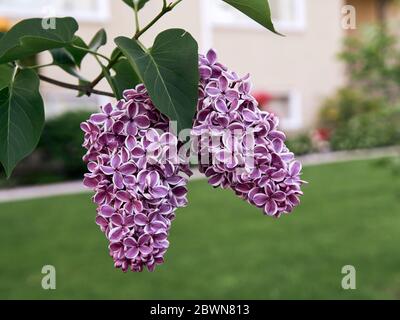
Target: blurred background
(334,81)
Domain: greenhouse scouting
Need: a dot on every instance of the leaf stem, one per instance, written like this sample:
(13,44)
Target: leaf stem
(166,8)
(39,66)
(136,10)
(92,52)
(87,89)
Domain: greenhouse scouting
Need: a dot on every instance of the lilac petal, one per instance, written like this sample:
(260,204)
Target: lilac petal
(145,250)
(279,196)
(295,168)
(260,199)
(131,129)
(142,121)
(271,208)
(101,221)
(223,83)
(118,180)
(278,175)
(141,219)
(249,115)
(144,238)
(220,106)
(213,91)
(179,191)
(106,211)
(152,135)
(123,196)
(216,180)
(90,182)
(115,161)
(293,199)
(117,219)
(132,253)
(232,95)
(205,72)
(108,108)
(128,168)
(153,178)
(107,170)
(98,118)
(130,142)
(129,221)
(118,127)
(116,234)
(138,152)
(130,242)
(159,192)
(278,145)
(211,56)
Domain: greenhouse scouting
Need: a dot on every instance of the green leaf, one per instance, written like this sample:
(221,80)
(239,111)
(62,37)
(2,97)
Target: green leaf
(258,10)
(125,77)
(28,37)
(99,40)
(6,73)
(141,3)
(21,118)
(169,71)
(1,34)
(66,61)
(77,54)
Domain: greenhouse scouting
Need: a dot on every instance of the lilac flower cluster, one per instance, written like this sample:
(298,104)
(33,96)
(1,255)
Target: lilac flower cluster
(136,174)
(239,146)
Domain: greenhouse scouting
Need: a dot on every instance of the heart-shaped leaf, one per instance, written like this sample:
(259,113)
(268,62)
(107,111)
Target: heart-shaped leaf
(169,71)
(77,54)
(141,3)
(99,40)
(21,118)
(258,10)
(65,60)
(6,73)
(125,77)
(28,37)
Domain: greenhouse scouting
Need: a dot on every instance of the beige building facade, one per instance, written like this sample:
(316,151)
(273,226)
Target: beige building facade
(299,70)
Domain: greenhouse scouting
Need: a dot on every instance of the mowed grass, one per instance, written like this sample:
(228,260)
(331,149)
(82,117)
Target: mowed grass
(221,247)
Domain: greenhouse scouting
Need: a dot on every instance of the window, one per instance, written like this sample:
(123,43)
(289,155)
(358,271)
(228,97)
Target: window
(288,15)
(287,106)
(84,10)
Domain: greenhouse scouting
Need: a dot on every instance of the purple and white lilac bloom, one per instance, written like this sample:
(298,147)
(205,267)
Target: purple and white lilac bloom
(239,146)
(137,178)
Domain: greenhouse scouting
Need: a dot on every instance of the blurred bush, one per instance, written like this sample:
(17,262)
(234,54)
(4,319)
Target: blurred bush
(365,113)
(58,156)
(346,104)
(300,144)
(369,130)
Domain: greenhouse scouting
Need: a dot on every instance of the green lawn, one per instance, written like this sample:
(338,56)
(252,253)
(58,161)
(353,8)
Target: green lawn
(220,246)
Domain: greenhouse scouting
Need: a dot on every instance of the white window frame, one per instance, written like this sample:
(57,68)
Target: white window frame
(298,25)
(294,121)
(100,15)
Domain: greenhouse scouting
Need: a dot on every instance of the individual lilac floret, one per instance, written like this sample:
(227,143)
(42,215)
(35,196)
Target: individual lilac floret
(136,174)
(239,146)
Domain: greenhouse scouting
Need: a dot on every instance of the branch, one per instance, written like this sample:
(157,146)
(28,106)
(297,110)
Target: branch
(165,10)
(86,89)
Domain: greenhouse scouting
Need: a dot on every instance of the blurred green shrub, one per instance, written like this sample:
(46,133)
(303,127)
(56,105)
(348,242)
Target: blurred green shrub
(370,130)
(346,104)
(58,156)
(365,114)
(300,144)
